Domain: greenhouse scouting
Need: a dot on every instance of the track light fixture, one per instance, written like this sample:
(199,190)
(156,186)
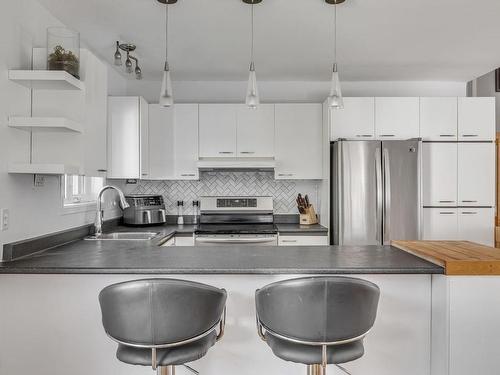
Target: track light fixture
(127,48)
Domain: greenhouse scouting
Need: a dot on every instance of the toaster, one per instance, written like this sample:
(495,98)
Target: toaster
(144,210)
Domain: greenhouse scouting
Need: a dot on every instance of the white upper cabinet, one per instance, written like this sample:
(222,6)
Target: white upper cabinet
(438,119)
(397,118)
(186,142)
(159,149)
(439,177)
(476,174)
(255,131)
(145,147)
(476,119)
(355,121)
(298,141)
(217,130)
(125,120)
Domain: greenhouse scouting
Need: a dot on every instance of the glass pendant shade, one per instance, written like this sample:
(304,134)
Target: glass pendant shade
(118,58)
(166,95)
(252,98)
(335,99)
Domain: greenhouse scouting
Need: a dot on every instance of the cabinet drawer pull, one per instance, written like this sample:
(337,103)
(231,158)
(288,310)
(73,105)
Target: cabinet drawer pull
(387,135)
(469,213)
(247,152)
(446,201)
(364,135)
(285,174)
(226,152)
(467,201)
(144,174)
(102,170)
(446,213)
(447,135)
(188,175)
(470,135)
(289,241)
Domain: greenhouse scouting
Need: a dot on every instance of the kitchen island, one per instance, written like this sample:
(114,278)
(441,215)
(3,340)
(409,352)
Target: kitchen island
(50,313)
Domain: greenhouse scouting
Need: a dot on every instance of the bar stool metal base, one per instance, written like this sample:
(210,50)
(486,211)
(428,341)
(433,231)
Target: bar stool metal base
(165,370)
(316,370)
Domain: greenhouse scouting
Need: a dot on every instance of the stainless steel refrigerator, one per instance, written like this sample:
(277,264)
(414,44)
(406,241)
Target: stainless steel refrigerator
(375,191)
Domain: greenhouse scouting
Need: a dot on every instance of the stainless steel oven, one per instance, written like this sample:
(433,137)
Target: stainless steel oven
(230,221)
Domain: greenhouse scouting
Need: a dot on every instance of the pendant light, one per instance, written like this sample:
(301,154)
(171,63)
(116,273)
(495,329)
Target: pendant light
(335,99)
(252,98)
(166,94)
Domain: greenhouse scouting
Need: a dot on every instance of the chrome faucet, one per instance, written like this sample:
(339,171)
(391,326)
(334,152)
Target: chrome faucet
(100,211)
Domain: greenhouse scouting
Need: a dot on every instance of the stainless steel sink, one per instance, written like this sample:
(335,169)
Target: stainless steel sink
(131,236)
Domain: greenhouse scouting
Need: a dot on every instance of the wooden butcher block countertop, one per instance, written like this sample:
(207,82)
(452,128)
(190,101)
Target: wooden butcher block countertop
(456,257)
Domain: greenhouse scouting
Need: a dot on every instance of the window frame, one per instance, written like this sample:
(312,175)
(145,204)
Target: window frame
(86,204)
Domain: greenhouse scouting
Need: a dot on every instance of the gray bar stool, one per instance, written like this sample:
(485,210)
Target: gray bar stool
(317,320)
(163,323)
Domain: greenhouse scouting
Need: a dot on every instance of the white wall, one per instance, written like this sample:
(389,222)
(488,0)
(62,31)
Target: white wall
(485,86)
(234,91)
(33,211)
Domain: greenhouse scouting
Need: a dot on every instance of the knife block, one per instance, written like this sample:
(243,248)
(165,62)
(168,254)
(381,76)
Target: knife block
(310,217)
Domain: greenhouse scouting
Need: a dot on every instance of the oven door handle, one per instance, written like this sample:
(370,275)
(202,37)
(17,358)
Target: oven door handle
(235,240)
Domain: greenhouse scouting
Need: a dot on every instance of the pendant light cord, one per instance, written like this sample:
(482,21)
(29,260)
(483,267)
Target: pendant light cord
(166,31)
(251,54)
(335,33)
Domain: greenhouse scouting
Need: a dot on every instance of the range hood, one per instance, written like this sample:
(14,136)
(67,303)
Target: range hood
(236,164)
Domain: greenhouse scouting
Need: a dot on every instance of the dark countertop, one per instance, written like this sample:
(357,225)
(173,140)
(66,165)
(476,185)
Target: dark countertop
(310,230)
(146,257)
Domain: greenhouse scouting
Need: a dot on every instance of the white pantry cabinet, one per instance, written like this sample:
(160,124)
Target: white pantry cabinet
(440,223)
(298,141)
(303,241)
(397,118)
(438,119)
(125,120)
(476,119)
(159,145)
(217,130)
(439,174)
(186,142)
(355,121)
(476,174)
(477,225)
(255,131)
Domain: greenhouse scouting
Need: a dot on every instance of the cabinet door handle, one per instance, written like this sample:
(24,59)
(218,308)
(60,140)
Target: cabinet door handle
(188,175)
(102,170)
(447,135)
(285,174)
(470,135)
(469,213)
(364,135)
(226,152)
(446,213)
(446,201)
(144,174)
(387,135)
(247,152)
(289,241)
(468,201)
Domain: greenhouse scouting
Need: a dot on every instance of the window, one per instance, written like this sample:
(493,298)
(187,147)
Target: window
(80,190)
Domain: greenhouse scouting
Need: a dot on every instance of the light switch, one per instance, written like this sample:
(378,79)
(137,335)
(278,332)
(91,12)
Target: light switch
(4,219)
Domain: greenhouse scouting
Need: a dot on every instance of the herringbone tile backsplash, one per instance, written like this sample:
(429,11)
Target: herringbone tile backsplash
(284,192)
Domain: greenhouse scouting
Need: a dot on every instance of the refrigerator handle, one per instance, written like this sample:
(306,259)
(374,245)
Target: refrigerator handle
(379,197)
(387,196)
(340,194)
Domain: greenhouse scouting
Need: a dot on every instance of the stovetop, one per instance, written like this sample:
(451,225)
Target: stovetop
(236,229)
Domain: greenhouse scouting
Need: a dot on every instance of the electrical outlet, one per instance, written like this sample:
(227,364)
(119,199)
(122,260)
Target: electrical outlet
(39,180)
(4,219)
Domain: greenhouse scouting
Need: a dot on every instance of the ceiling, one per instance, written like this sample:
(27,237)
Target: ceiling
(445,40)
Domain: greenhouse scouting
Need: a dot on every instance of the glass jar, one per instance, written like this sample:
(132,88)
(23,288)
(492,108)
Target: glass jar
(63,50)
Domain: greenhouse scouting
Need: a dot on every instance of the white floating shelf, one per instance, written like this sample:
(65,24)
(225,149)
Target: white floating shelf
(45,124)
(46,79)
(39,168)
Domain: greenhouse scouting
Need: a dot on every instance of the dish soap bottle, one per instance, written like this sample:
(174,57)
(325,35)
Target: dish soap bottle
(180,208)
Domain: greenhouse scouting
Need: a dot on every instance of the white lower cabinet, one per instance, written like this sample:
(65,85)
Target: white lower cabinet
(477,225)
(303,240)
(439,177)
(440,224)
(459,224)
